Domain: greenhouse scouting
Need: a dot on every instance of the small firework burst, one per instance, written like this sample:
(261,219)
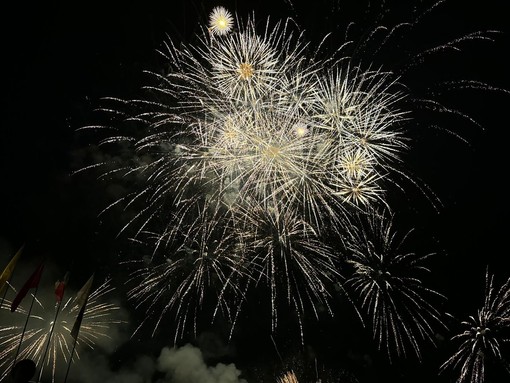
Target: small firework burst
(385,280)
(363,190)
(481,342)
(220,21)
(356,164)
(300,129)
(96,324)
(245,65)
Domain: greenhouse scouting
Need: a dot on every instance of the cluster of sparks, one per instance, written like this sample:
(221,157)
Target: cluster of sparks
(259,163)
(484,335)
(386,280)
(96,325)
(288,377)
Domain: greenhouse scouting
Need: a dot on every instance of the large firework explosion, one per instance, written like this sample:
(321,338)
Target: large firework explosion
(252,160)
(250,134)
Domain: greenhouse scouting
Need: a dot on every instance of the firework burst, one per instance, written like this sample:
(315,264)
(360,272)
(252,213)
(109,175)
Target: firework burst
(220,21)
(97,322)
(385,281)
(481,343)
(288,377)
(202,270)
(256,138)
(253,117)
(250,155)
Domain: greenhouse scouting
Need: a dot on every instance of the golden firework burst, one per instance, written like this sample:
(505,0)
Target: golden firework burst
(289,377)
(245,71)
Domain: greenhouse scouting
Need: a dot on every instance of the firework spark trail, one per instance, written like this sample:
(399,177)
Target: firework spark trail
(286,253)
(96,324)
(288,377)
(251,152)
(199,260)
(483,337)
(385,280)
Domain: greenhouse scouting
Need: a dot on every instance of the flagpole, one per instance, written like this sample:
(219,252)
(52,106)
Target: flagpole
(4,294)
(49,340)
(75,331)
(25,327)
(60,296)
(70,359)
(82,299)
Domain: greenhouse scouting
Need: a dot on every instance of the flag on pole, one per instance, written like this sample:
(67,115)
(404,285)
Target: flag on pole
(6,274)
(81,298)
(60,287)
(32,282)
(83,294)
(77,323)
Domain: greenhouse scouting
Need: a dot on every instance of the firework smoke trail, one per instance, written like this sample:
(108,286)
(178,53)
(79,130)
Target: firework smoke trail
(481,343)
(97,321)
(250,118)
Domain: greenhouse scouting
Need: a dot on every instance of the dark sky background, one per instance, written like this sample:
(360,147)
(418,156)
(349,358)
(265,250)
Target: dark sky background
(60,58)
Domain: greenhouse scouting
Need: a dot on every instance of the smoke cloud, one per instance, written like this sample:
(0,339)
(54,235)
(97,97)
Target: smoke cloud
(186,365)
(174,365)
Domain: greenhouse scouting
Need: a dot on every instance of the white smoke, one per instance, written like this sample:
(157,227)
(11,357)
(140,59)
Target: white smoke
(186,365)
(174,365)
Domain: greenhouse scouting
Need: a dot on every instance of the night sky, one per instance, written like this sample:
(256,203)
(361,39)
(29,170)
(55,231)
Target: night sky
(61,58)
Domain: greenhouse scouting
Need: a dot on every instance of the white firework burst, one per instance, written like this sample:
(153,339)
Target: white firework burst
(250,154)
(220,21)
(97,321)
(481,343)
(386,282)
